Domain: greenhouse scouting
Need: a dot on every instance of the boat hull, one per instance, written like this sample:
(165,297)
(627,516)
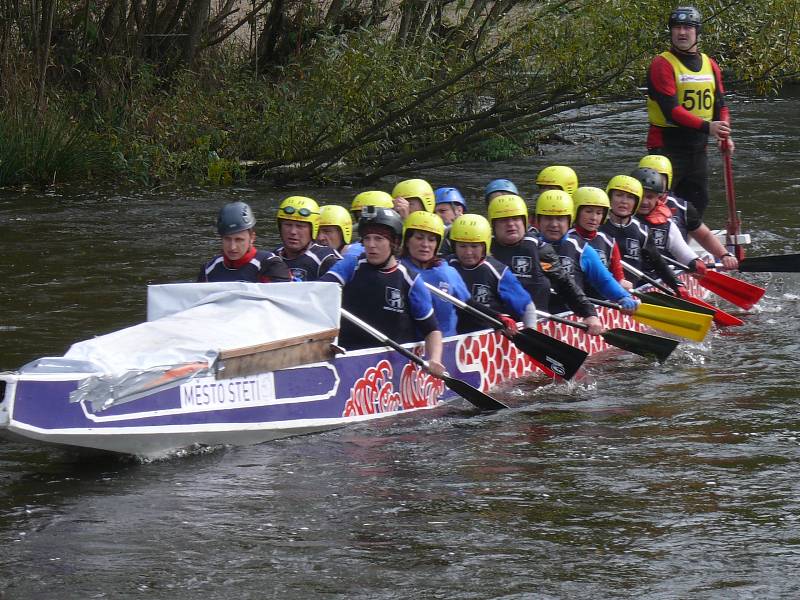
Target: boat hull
(354,387)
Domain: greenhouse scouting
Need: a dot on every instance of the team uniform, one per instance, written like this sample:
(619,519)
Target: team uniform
(606,248)
(394,300)
(537,266)
(638,250)
(447,279)
(669,241)
(256,266)
(312,264)
(684,93)
(684,215)
(493,287)
(587,269)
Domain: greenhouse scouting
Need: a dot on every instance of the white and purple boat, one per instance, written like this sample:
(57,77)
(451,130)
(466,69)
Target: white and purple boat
(239,363)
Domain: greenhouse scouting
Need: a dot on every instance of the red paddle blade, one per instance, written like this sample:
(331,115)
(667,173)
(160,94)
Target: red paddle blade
(735,291)
(720,316)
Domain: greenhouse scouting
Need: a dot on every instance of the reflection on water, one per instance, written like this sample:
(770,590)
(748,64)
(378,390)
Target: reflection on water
(657,481)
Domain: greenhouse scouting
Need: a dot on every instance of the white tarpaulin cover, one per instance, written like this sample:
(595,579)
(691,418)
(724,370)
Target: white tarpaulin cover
(191,322)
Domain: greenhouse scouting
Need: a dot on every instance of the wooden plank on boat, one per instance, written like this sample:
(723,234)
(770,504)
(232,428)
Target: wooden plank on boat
(280,354)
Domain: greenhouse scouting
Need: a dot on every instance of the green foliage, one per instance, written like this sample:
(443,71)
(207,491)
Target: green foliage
(466,81)
(47,148)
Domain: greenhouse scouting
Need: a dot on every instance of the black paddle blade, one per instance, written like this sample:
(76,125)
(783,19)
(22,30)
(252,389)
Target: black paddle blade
(779,263)
(659,299)
(561,358)
(643,344)
(473,394)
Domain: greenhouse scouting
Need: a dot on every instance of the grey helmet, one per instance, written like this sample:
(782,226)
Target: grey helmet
(650,179)
(377,215)
(686,15)
(235,217)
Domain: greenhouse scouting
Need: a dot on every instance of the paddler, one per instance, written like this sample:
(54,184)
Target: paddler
(498,187)
(554,213)
(376,198)
(557,177)
(533,261)
(635,244)
(492,286)
(240,260)
(387,294)
(591,211)
(335,227)
(450,204)
(411,195)
(298,224)
(657,217)
(423,233)
(685,215)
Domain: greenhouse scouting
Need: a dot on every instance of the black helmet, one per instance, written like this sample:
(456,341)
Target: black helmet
(650,179)
(235,217)
(686,15)
(378,215)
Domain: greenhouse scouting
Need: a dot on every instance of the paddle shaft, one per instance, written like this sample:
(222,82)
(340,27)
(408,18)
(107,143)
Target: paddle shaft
(647,278)
(734,224)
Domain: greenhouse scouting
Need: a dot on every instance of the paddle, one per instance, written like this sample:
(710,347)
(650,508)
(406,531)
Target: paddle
(462,388)
(733,227)
(691,325)
(720,316)
(735,291)
(643,344)
(778,263)
(554,357)
(691,303)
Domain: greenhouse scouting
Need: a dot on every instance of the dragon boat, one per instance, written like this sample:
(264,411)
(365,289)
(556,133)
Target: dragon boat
(233,364)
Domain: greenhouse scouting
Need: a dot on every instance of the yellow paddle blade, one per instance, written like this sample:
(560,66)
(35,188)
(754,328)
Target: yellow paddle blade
(691,325)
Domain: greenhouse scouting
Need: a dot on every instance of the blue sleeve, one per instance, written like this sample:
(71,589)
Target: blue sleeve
(356,248)
(342,271)
(420,300)
(513,295)
(599,277)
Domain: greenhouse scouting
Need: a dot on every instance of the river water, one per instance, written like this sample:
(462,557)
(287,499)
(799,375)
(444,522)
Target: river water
(671,481)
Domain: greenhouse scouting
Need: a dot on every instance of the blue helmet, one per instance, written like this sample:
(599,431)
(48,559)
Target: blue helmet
(500,185)
(448,195)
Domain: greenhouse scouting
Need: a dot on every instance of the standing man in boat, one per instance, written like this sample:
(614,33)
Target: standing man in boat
(686,105)
(240,260)
(298,225)
(533,261)
(685,214)
(385,293)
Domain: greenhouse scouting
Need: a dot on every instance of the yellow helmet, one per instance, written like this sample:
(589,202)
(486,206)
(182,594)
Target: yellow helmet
(416,188)
(337,216)
(508,205)
(563,177)
(371,198)
(590,196)
(472,229)
(628,184)
(659,163)
(554,203)
(425,221)
(300,208)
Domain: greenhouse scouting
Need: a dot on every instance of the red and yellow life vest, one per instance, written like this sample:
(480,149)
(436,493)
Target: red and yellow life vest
(695,91)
